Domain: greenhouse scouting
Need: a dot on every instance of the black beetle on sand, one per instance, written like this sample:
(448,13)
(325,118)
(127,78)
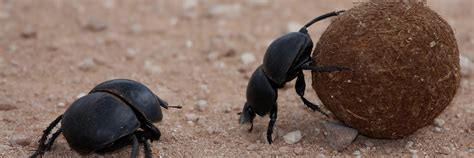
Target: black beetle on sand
(115,114)
(284,60)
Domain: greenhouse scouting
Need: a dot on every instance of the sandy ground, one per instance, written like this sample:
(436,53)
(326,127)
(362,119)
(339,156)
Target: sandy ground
(52,51)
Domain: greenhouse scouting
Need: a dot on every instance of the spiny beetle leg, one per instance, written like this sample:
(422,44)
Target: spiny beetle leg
(273,117)
(134,147)
(42,146)
(325,68)
(300,88)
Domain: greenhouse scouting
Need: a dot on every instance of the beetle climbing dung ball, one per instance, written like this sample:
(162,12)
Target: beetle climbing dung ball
(405,68)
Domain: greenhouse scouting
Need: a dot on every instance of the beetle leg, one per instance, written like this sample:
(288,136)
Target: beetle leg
(134,147)
(273,117)
(300,87)
(52,139)
(147,149)
(42,146)
(324,68)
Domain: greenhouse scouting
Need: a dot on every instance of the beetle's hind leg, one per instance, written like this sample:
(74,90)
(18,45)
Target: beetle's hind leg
(42,146)
(300,88)
(134,153)
(271,124)
(146,145)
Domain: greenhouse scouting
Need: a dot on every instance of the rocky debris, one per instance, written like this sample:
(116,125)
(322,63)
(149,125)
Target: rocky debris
(191,117)
(95,25)
(438,122)
(293,26)
(293,137)
(87,64)
(189,4)
(151,67)
(444,150)
(135,28)
(7,107)
(28,32)
(339,136)
(368,143)
(131,54)
(414,153)
(437,130)
(61,104)
(224,10)
(247,58)
(252,147)
(298,151)
(357,153)
(201,105)
(467,66)
(409,144)
(20,140)
(258,3)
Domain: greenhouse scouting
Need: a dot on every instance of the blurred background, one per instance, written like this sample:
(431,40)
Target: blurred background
(194,53)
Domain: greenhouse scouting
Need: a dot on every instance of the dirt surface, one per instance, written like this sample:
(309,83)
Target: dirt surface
(53,51)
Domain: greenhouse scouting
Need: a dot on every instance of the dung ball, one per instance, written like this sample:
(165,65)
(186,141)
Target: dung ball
(404,63)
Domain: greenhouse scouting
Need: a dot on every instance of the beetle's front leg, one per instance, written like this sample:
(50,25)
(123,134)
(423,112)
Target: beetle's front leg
(300,88)
(273,117)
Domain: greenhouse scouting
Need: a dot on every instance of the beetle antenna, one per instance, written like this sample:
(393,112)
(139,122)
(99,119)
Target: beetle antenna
(177,106)
(319,18)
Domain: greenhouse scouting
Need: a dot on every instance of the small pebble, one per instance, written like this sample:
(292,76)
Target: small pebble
(258,3)
(437,130)
(368,143)
(87,64)
(467,66)
(61,104)
(247,58)
(298,151)
(293,137)
(445,150)
(20,140)
(130,54)
(7,107)
(356,153)
(201,105)
(151,67)
(28,32)
(438,122)
(339,136)
(414,153)
(252,147)
(95,25)
(225,10)
(189,4)
(135,28)
(409,144)
(284,149)
(191,117)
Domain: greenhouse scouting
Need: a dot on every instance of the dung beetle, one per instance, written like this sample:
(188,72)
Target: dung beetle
(284,60)
(115,114)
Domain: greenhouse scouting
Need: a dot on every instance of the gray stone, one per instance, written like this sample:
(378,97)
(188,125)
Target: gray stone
(293,137)
(87,64)
(252,147)
(247,58)
(191,117)
(339,136)
(467,66)
(95,25)
(225,10)
(20,140)
(201,105)
(438,122)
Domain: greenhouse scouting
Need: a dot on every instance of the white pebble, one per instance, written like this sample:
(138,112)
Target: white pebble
(438,122)
(189,4)
(201,105)
(190,117)
(227,10)
(152,68)
(467,66)
(87,64)
(61,104)
(293,137)
(247,58)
